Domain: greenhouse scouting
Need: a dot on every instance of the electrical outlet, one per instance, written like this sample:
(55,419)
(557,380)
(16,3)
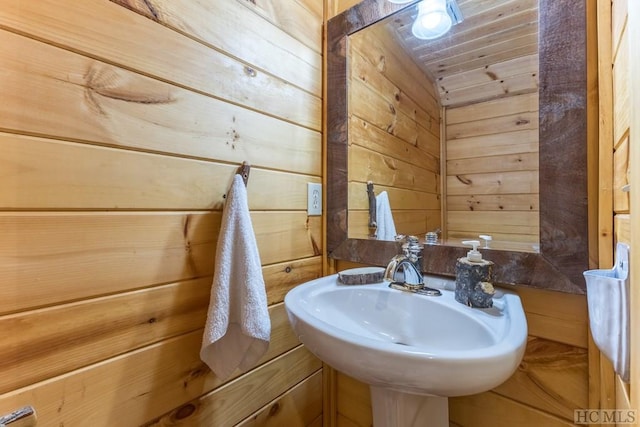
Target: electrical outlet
(314,198)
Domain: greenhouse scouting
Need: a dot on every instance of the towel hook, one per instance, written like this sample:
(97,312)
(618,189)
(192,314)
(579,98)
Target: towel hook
(25,416)
(243,171)
(373,220)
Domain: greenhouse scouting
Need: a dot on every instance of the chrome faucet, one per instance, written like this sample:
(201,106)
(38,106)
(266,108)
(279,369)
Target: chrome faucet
(404,271)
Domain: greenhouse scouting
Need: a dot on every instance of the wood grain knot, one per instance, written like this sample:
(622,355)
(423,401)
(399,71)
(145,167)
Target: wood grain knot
(464,180)
(152,10)
(103,82)
(390,164)
(492,75)
(185,411)
(275,408)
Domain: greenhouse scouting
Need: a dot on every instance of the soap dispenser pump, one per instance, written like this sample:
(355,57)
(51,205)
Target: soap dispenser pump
(473,255)
(474,278)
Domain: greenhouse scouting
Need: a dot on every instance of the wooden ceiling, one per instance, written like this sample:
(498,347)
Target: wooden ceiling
(493,53)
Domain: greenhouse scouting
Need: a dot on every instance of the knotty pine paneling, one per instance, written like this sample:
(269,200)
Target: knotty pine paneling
(120,391)
(228,405)
(109,105)
(54,257)
(335,7)
(404,199)
(510,182)
(621,97)
(633,29)
(300,407)
(292,46)
(364,135)
(378,60)
(620,116)
(83,254)
(122,37)
(479,202)
(128,320)
(516,84)
(487,80)
(621,176)
(39,175)
(394,128)
(492,171)
(282,277)
(492,410)
(367,165)
(622,227)
(413,222)
(556,316)
(556,389)
(519,141)
(502,124)
(507,163)
(300,18)
(353,403)
(122,125)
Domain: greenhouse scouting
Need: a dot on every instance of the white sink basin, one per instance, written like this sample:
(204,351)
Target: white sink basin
(407,342)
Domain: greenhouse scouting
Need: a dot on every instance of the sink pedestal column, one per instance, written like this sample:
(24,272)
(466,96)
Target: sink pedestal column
(396,409)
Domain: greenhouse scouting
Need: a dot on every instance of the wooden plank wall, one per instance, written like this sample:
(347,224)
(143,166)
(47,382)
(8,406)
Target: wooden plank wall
(394,135)
(122,124)
(615,56)
(492,171)
(633,29)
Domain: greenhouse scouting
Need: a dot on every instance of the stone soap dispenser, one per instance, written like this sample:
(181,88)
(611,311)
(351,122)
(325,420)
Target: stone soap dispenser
(474,276)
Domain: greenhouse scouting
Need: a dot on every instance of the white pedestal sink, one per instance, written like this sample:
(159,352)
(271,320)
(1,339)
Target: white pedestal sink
(414,351)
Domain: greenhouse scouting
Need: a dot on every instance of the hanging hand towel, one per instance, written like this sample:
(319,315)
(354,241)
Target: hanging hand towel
(238,327)
(386,227)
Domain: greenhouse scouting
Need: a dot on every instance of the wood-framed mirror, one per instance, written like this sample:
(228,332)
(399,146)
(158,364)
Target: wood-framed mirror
(563,211)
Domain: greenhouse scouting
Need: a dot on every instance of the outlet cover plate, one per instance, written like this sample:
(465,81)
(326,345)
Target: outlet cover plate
(314,198)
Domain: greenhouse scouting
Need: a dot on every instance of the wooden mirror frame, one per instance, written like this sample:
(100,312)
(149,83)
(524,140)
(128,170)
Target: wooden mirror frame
(564,252)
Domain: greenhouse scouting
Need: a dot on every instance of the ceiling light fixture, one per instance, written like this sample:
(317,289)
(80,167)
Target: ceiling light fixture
(435,17)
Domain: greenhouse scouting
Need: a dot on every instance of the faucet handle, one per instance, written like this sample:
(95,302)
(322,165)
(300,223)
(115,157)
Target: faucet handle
(392,267)
(412,249)
(412,243)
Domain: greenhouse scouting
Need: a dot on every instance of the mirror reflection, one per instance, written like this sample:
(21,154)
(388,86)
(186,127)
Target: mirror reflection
(446,130)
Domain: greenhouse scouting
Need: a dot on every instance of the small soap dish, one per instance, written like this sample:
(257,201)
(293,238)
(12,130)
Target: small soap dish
(608,302)
(361,276)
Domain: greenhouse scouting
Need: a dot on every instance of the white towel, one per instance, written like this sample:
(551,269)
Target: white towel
(238,327)
(386,227)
